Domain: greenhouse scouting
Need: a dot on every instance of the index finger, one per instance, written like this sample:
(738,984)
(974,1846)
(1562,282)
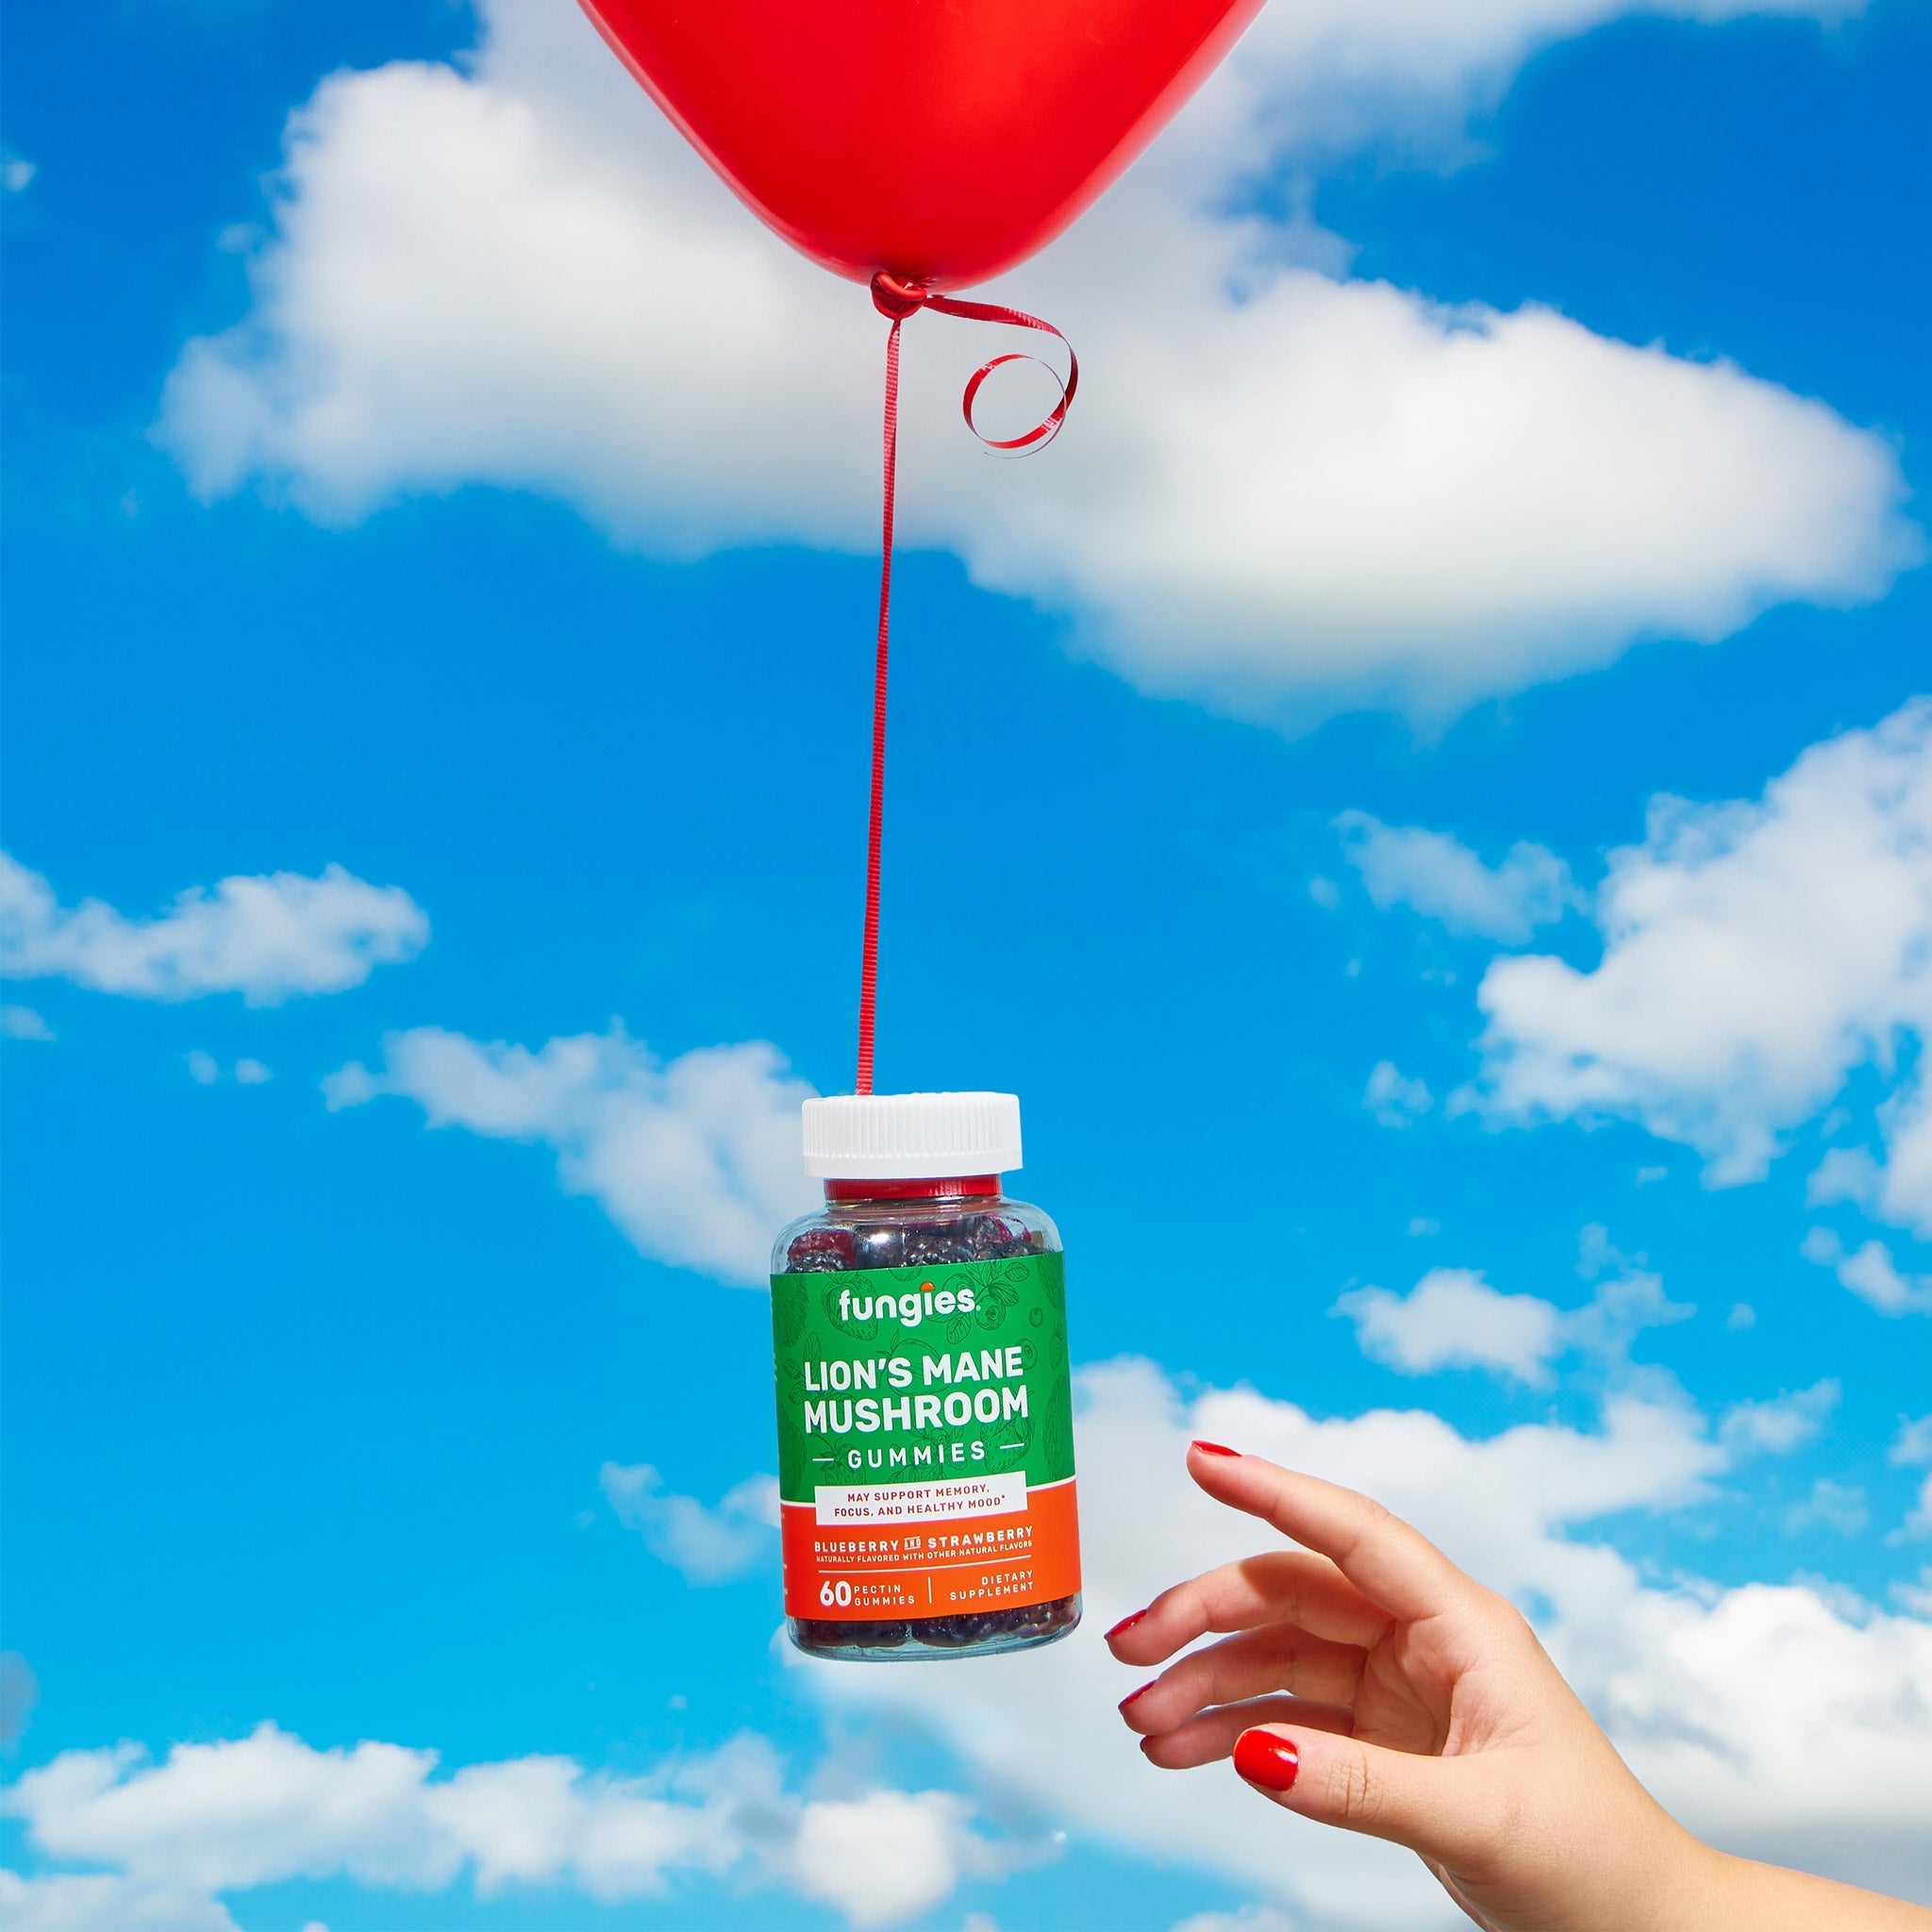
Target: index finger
(1279,1587)
(1391,1564)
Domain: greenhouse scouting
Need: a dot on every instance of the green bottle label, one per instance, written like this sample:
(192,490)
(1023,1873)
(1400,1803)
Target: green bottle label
(912,1376)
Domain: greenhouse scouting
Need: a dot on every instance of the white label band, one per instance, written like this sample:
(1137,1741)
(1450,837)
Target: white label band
(940,1502)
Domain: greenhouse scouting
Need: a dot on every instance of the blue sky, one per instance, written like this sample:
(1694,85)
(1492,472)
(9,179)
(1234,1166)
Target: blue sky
(415,513)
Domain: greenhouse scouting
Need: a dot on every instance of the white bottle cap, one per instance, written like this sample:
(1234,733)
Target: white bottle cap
(908,1137)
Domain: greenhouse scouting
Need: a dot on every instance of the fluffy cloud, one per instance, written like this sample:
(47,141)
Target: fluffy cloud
(1251,1918)
(704,1544)
(1913,1450)
(251,1811)
(1780,1425)
(1677,1672)
(1831,1505)
(1362,69)
(267,937)
(1284,490)
(20,1691)
(1440,877)
(1754,955)
(888,1856)
(697,1161)
(1454,1318)
(1917,1525)
(1869,1273)
(1394,1098)
(78,1904)
(205,1069)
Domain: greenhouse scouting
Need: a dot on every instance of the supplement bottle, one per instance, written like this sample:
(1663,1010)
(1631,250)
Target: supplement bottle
(925,1442)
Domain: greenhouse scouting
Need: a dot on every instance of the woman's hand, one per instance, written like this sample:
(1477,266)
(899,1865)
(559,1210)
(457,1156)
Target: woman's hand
(1369,1683)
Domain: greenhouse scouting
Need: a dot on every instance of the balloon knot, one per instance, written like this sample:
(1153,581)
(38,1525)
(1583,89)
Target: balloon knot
(896,298)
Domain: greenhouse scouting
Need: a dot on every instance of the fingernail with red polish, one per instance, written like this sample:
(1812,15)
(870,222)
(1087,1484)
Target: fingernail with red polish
(1266,1760)
(1213,1449)
(1124,1624)
(1140,1692)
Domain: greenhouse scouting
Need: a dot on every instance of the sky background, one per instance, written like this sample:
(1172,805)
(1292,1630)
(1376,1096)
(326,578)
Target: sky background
(1418,792)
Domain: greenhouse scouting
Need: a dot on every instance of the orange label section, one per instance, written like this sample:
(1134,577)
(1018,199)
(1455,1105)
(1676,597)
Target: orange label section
(833,1573)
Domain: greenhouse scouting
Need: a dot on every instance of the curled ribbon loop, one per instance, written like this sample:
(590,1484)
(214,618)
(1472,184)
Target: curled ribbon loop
(1043,432)
(897,298)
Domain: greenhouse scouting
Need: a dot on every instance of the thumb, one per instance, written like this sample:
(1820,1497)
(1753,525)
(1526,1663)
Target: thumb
(1418,1802)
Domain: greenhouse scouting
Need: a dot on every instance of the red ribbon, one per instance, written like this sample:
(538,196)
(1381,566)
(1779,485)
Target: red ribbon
(896,299)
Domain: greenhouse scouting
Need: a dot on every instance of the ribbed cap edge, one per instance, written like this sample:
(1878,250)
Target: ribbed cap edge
(901,1137)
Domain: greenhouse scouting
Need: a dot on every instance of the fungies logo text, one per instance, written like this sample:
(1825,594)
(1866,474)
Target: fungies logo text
(910,1309)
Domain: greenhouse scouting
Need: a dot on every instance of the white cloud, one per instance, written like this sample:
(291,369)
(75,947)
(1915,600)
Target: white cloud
(256,1810)
(1404,71)
(67,1903)
(1440,877)
(704,1544)
(1839,1506)
(267,937)
(1628,1298)
(1250,1919)
(1845,1174)
(16,173)
(1919,1522)
(1454,1318)
(20,1691)
(1282,490)
(1781,1424)
(203,1067)
(1677,1672)
(1396,1100)
(22,1023)
(697,1160)
(885,1857)
(1754,955)
(1912,1450)
(1871,1273)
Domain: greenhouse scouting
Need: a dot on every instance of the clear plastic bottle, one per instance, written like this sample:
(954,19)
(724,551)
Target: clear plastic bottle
(924,1410)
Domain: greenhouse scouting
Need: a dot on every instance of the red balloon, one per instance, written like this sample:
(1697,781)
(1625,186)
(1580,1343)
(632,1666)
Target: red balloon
(941,140)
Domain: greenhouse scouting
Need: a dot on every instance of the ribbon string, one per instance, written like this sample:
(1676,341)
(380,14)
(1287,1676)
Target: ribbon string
(897,299)
(869,963)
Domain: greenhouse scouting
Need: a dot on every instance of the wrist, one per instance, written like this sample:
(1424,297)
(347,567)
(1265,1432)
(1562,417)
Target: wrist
(1699,1891)
(1745,1895)
(1645,1873)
